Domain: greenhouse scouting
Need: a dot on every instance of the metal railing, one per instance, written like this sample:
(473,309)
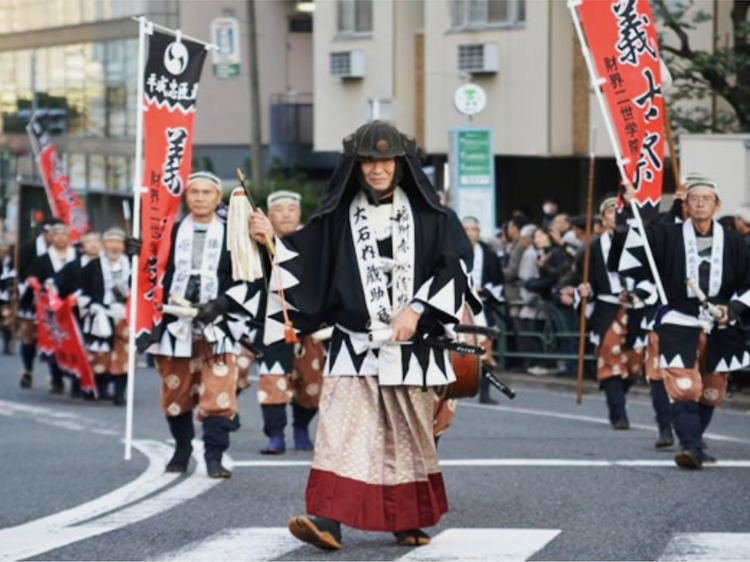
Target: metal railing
(551,335)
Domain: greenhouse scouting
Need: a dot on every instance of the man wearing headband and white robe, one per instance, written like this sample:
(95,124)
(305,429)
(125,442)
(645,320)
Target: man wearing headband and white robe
(104,289)
(288,371)
(380,255)
(615,322)
(26,303)
(197,357)
(698,344)
(49,268)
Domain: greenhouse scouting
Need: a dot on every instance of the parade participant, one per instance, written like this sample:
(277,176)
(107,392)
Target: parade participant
(26,307)
(7,296)
(46,269)
(287,373)
(197,357)
(380,252)
(104,288)
(615,323)
(699,336)
(487,274)
(70,279)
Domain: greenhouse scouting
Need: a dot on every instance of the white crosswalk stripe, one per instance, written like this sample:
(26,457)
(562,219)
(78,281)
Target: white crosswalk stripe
(708,546)
(483,544)
(258,543)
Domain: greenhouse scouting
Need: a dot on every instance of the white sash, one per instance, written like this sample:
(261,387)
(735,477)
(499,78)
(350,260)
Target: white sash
(381,305)
(693,260)
(123,265)
(183,259)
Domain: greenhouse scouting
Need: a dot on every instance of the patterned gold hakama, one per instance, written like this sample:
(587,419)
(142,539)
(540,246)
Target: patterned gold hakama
(375,466)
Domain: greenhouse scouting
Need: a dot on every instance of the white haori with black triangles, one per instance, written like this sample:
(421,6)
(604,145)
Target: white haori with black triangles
(178,337)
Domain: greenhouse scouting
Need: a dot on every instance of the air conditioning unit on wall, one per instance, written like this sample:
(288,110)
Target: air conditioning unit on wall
(478,58)
(347,64)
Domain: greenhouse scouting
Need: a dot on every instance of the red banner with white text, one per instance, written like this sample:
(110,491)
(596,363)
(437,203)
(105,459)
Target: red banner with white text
(64,202)
(621,36)
(171,87)
(59,334)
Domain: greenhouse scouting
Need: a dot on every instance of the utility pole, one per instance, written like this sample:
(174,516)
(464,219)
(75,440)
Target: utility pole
(255,125)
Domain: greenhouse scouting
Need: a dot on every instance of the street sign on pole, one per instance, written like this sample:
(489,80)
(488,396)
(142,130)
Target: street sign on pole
(470,99)
(472,164)
(225,33)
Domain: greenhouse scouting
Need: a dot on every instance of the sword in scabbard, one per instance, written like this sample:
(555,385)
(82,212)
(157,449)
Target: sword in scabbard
(711,308)
(498,384)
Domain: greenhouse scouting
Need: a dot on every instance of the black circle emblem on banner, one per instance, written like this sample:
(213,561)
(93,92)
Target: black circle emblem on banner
(176,58)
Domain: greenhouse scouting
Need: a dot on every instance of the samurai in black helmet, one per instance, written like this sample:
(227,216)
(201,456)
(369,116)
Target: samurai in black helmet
(379,255)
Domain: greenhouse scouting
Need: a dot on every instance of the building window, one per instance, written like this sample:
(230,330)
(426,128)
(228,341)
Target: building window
(470,14)
(355,16)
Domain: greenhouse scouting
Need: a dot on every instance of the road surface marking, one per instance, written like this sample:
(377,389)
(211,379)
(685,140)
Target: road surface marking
(256,543)
(55,418)
(100,516)
(516,462)
(708,546)
(484,544)
(590,419)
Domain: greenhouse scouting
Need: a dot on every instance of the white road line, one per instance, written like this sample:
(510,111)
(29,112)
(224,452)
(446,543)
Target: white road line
(484,544)
(55,418)
(41,535)
(79,523)
(589,419)
(708,546)
(192,486)
(517,462)
(243,545)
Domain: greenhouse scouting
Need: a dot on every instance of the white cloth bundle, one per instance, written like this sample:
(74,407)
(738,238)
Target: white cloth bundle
(246,264)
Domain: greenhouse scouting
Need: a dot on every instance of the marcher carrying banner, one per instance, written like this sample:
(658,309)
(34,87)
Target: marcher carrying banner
(621,50)
(59,335)
(64,202)
(167,93)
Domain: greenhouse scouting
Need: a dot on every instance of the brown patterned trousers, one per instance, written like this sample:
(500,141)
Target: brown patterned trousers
(114,362)
(613,360)
(204,380)
(303,386)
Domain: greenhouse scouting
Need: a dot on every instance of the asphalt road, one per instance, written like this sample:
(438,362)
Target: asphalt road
(538,478)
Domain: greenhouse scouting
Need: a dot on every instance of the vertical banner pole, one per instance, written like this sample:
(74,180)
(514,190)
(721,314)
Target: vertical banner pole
(672,151)
(596,83)
(586,268)
(137,190)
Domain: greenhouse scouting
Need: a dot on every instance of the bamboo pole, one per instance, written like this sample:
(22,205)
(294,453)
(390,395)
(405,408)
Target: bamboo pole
(672,151)
(586,268)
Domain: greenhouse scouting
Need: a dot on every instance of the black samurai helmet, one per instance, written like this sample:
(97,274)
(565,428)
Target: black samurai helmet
(381,140)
